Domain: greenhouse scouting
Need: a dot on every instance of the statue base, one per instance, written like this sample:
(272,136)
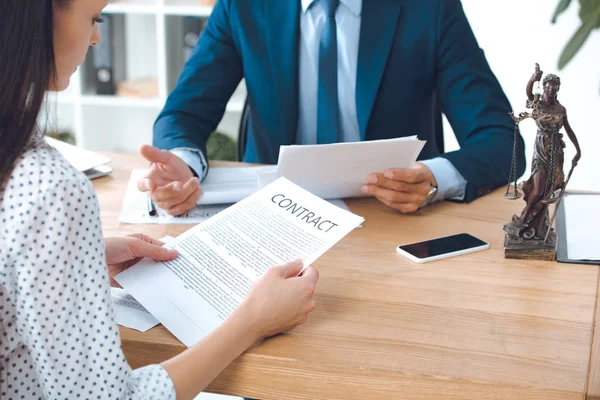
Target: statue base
(517,247)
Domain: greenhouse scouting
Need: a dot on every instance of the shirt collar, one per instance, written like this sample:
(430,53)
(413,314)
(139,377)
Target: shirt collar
(354,5)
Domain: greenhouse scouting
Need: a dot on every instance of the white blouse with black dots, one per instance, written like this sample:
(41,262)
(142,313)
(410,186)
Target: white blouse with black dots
(58,335)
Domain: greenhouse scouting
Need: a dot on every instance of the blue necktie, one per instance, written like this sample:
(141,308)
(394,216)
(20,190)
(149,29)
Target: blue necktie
(328,125)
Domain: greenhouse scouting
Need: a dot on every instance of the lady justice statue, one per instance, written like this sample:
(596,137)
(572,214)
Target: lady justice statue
(530,235)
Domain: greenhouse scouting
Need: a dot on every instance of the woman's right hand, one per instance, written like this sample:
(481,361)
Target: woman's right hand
(280,300)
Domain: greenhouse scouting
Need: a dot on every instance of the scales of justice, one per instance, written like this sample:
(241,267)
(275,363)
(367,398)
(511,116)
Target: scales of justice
(530,235)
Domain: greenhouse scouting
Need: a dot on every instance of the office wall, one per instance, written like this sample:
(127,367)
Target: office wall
(515,34)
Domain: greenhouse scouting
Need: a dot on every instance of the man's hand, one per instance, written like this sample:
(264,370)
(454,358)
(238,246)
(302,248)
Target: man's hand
(126,251)
(171,183)
(401,189)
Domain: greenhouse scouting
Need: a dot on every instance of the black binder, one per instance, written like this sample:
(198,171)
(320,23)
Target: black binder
(109,55)
(562,253)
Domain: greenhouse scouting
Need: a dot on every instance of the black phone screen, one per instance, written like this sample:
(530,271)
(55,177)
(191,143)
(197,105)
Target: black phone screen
(444,245)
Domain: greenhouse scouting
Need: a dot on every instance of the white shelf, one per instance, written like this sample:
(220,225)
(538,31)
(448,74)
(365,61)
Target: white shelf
(61,98)
(149,41)
(116,101)
(185,10)
(134,8)
(169,9)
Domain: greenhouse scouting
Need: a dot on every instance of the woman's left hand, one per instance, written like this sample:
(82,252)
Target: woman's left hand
(125,251)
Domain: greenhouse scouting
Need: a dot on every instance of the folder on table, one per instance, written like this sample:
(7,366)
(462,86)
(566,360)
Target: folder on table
(93,165)
(577,224)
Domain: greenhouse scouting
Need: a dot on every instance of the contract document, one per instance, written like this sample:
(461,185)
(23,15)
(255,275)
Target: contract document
(220,258)
(337,171)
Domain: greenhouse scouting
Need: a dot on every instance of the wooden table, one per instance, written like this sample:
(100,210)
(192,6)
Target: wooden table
(471,327)
(593,389)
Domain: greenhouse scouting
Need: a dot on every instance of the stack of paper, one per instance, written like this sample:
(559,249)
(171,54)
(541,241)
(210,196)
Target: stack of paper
(230,185)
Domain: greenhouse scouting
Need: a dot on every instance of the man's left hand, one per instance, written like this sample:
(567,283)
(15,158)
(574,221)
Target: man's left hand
(401,189)
(125,251)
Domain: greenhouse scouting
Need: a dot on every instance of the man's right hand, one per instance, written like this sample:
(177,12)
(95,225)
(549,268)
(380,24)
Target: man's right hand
(171,183)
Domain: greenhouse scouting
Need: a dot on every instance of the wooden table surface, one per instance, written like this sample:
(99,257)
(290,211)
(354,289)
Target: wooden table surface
(476,326)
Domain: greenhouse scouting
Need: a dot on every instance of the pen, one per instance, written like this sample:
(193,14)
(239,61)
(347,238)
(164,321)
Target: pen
(151,207)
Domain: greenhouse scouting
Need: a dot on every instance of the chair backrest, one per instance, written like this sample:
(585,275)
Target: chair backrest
(243,131)
(245,122)
(438,126)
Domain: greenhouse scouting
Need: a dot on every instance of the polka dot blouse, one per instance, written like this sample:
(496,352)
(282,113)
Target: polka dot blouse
(59,339)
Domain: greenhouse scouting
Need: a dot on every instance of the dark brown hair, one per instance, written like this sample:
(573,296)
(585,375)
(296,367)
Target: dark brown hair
(27,67)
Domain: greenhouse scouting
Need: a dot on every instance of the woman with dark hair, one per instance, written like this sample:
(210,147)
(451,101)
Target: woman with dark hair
(58,337)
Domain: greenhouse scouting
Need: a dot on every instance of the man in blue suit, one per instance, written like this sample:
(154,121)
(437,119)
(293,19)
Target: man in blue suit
(322,71)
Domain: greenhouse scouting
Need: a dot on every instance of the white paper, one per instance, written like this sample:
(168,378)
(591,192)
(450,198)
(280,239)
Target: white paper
(128,311)
(341,204)
(83,160)
(337,171)
(582,219)
(230,185)
(220,258)
(135,207)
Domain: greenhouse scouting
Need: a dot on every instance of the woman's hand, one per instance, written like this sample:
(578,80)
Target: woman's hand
(280,300)
(124,251)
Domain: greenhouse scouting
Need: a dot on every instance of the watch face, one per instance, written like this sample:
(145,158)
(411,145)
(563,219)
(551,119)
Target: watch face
(432,191)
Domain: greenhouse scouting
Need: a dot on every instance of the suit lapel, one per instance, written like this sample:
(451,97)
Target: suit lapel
(283,34)
(379,20)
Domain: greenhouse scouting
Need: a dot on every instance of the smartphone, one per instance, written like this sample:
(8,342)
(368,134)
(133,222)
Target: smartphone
(447,246)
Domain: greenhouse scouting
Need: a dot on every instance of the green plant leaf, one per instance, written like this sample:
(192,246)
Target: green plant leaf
(560,8)
(578,39)
(588,7)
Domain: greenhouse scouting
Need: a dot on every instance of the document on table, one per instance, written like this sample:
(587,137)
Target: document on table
(230,185)
(220,258)
(130,313)
(337,171)
(135,207)
(90,163)
(579,219)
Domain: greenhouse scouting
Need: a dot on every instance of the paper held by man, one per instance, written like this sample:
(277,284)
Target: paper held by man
(220,258)
(330,171)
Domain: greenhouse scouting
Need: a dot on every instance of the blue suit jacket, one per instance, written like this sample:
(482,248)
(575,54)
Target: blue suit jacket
(410,53)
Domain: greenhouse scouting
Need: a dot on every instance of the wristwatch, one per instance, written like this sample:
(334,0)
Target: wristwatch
(432,192)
